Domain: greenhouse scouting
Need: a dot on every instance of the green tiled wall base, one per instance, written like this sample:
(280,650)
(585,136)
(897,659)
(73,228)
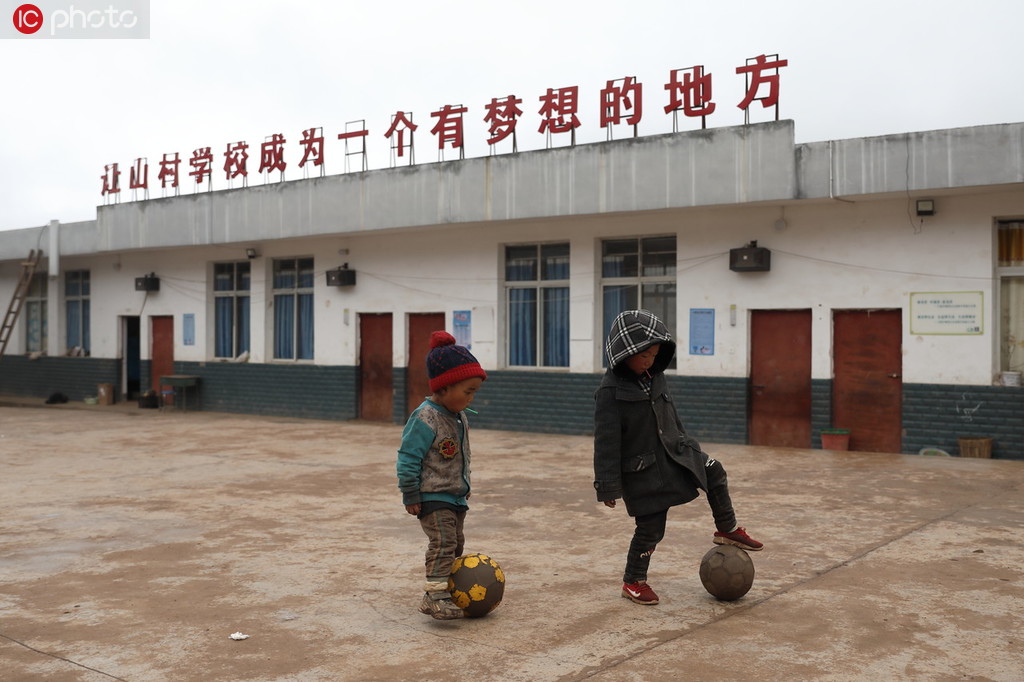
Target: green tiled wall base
(713,409)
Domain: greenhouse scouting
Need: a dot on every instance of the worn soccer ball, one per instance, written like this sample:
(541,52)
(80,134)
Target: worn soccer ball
(477,584)
(727,572)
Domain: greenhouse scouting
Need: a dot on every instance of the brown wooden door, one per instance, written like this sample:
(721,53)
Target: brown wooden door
(867,386)
(780,378)
(161,349)
(375,381)
(421,325)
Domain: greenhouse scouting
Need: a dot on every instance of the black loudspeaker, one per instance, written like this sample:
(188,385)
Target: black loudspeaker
(750,259)
(341,278)
(147,283)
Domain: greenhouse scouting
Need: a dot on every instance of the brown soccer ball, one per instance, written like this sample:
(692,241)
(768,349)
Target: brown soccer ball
(727,572)
(477,584)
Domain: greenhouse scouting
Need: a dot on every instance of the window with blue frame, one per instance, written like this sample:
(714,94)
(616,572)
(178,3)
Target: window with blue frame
(293,309)
(231,284)
(76,310)
(639,273)
(537,304)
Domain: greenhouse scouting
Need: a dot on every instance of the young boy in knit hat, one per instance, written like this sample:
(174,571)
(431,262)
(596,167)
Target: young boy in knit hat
(433,465)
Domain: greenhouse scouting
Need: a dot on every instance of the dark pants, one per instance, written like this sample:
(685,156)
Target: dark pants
(650,528)
(444,542)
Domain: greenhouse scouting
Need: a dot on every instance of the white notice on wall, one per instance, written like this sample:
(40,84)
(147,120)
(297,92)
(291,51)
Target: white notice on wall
(946,312)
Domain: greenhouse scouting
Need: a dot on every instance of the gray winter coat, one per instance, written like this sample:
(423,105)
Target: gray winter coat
(642,453)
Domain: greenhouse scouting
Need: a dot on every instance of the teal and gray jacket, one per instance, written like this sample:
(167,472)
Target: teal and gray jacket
(433,459)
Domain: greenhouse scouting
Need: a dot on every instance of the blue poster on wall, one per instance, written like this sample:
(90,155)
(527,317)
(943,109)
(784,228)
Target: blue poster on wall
(702,331)
(461,327)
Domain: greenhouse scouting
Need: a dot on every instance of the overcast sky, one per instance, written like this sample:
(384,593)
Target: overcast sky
(213,73)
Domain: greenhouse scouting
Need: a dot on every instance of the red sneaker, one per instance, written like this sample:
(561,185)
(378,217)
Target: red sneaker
(639,592)
(739,538)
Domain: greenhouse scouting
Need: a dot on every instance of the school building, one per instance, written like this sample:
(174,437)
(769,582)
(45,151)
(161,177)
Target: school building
(874,285)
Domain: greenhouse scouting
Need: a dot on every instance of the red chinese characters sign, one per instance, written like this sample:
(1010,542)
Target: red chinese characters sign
(687,91)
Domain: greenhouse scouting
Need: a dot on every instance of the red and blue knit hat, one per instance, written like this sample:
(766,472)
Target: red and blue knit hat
(448,363)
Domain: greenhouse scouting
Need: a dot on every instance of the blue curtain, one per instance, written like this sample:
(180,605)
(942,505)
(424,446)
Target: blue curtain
(86,327)
(305,326)
(76,326)
(520,263)
(616,299)
(223,274)
(223,324)
(556,327)
(284,326)
(660,299)
(243,324)
(522,322)
(73,323)
(35,334)
(284,274)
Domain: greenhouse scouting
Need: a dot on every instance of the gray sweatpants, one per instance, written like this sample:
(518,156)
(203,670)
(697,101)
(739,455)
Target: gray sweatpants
(444,542)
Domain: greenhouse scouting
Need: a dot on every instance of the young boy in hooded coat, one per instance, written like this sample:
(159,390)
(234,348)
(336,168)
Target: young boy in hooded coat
(643,454)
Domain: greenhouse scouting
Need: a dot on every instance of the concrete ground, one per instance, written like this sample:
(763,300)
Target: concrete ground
(134,542)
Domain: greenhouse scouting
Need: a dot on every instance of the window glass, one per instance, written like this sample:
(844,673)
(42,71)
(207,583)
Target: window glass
(284,274)
(1011,298)
(537,305)
(659,256)
(555,261)
(76,311)
(305,273)
(1011,243)
(231,309)
(619,257)
(242,276)
(293,309)
(223,273)
(638,274)
(35,315)
(72,284)
(521,263)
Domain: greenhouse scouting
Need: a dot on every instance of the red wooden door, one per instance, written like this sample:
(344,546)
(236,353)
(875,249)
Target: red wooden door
(867,386)
(375,381)
(421,325)
(780,378)
(161,349)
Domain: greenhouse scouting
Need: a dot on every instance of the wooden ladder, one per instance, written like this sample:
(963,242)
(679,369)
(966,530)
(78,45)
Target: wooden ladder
(28,269)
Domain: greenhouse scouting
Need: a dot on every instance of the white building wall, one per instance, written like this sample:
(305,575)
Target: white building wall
(829,255)
(430,238)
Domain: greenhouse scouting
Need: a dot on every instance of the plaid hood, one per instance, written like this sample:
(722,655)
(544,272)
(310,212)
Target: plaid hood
(634,331)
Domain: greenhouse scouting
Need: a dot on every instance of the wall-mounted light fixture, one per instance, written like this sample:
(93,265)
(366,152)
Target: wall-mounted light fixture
(925,207)
(251,253)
